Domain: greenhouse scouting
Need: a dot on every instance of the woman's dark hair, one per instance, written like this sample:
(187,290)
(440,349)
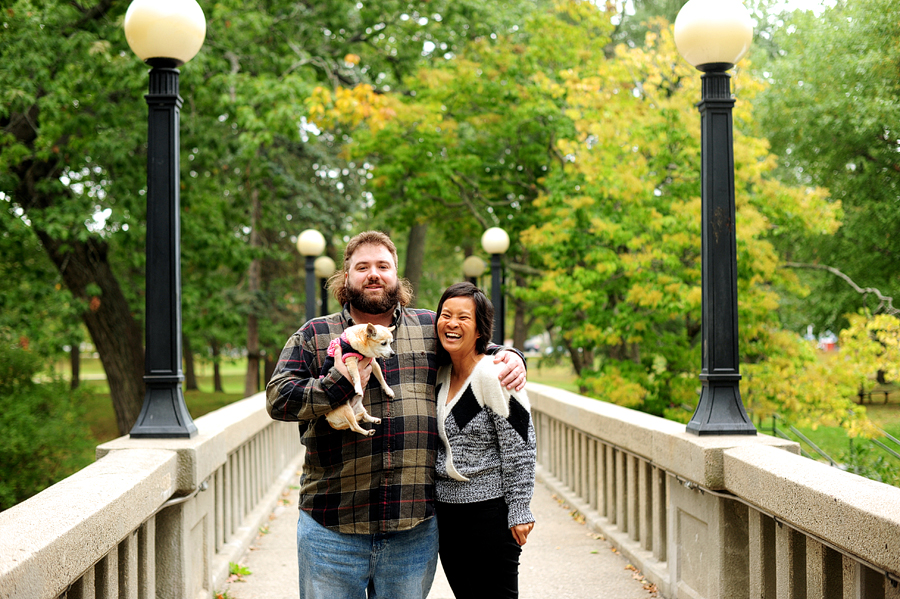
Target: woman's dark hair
(484,317)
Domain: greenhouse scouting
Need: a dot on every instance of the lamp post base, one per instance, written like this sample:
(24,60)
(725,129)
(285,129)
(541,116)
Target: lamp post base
(164,414)
(720,411)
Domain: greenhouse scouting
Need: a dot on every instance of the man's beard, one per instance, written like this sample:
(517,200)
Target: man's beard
(386,301)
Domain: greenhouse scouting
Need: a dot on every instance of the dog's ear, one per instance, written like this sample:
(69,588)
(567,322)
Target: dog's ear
(391,328)
(371,331)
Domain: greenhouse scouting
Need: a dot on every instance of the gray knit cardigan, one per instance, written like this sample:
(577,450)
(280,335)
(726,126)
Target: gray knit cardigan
(489,447)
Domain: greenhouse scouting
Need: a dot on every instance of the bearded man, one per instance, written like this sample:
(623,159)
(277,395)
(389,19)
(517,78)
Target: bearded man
(367,525)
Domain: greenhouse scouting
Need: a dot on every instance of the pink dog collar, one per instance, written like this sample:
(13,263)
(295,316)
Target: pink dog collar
(336,342)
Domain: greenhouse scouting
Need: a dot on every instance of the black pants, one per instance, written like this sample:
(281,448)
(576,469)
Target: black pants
(478,552)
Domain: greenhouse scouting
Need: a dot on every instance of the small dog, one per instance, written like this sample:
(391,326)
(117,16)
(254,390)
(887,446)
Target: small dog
(358,342)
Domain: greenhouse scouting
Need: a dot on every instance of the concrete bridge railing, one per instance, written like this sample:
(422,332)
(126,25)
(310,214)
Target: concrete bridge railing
(701,517)
(718,517)
(152,518)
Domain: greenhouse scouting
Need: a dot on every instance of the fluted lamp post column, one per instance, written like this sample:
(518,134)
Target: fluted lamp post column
(495,242)
(713,35)
(473,267)
(324,267)
(310,243)
(164,34)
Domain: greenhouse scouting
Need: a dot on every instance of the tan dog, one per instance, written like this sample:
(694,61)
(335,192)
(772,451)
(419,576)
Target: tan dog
(358,342)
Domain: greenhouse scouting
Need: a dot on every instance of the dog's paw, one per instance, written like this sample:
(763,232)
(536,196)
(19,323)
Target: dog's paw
(389,392)
(370,432)
(374,420)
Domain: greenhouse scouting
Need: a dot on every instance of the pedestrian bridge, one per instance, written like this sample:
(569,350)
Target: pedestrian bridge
(701,517)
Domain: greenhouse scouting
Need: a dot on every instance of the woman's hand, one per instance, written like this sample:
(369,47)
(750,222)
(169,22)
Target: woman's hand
(520,532)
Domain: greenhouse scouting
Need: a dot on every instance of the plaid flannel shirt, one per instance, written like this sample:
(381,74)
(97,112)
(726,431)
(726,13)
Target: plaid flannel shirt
(352,483)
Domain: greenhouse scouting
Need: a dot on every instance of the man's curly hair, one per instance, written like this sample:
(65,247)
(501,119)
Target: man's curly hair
(337,281)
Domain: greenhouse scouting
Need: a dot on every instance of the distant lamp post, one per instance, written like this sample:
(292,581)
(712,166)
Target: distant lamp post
(324,268)
(310,243)
(495,242)
(713,35)
(164,34)
(473,267)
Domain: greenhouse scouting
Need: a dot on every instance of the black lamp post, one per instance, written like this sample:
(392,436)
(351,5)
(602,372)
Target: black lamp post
(495,242)
(473,267)
(324,267)
(310,243)
(713,35)
(149,29)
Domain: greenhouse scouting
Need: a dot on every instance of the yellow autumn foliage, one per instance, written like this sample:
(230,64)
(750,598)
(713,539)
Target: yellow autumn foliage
(351,107)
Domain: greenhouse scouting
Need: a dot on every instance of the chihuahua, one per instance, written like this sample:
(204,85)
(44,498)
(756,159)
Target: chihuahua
(358,342)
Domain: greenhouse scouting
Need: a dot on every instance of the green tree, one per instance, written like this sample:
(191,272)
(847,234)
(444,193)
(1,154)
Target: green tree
(635,20)
(832,113)
(66,152)
(73,145)
(43,436)
(35,308)
(620,236)
(474,138)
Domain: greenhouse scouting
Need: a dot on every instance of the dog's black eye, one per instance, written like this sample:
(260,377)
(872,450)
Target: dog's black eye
(384,343)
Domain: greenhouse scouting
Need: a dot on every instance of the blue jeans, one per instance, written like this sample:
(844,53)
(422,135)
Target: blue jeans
(394,565)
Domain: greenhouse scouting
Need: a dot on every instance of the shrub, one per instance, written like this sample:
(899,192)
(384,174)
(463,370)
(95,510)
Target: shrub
(43,436)
(865,459)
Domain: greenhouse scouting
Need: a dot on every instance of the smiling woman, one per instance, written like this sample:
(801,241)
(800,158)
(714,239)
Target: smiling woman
(485,465)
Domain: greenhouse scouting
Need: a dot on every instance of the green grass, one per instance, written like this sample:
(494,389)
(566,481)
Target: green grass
(100,413)
(102,418)
(546,371)
(835,442)
(832,440)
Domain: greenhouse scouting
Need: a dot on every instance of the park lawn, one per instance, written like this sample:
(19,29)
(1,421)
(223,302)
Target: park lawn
(552,373)
(832,440)
(835,442)
(99,409)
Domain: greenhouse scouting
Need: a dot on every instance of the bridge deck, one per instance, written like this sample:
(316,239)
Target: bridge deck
(563,559)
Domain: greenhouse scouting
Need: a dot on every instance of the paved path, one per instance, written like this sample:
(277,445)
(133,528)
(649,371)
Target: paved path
(563,559)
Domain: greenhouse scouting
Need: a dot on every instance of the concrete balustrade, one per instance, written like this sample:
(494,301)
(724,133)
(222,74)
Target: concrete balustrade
(718,517)
(701,517)
(152,518)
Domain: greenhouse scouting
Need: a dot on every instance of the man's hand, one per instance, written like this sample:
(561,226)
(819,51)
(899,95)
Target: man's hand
(512,376)
(365,368)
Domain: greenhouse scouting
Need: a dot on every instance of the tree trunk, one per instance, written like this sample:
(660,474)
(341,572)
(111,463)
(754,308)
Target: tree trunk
(270,364)
(109,321)
(520,318)
(75,361)
(251,381)
(217,370)
(190,375)
(415,257)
